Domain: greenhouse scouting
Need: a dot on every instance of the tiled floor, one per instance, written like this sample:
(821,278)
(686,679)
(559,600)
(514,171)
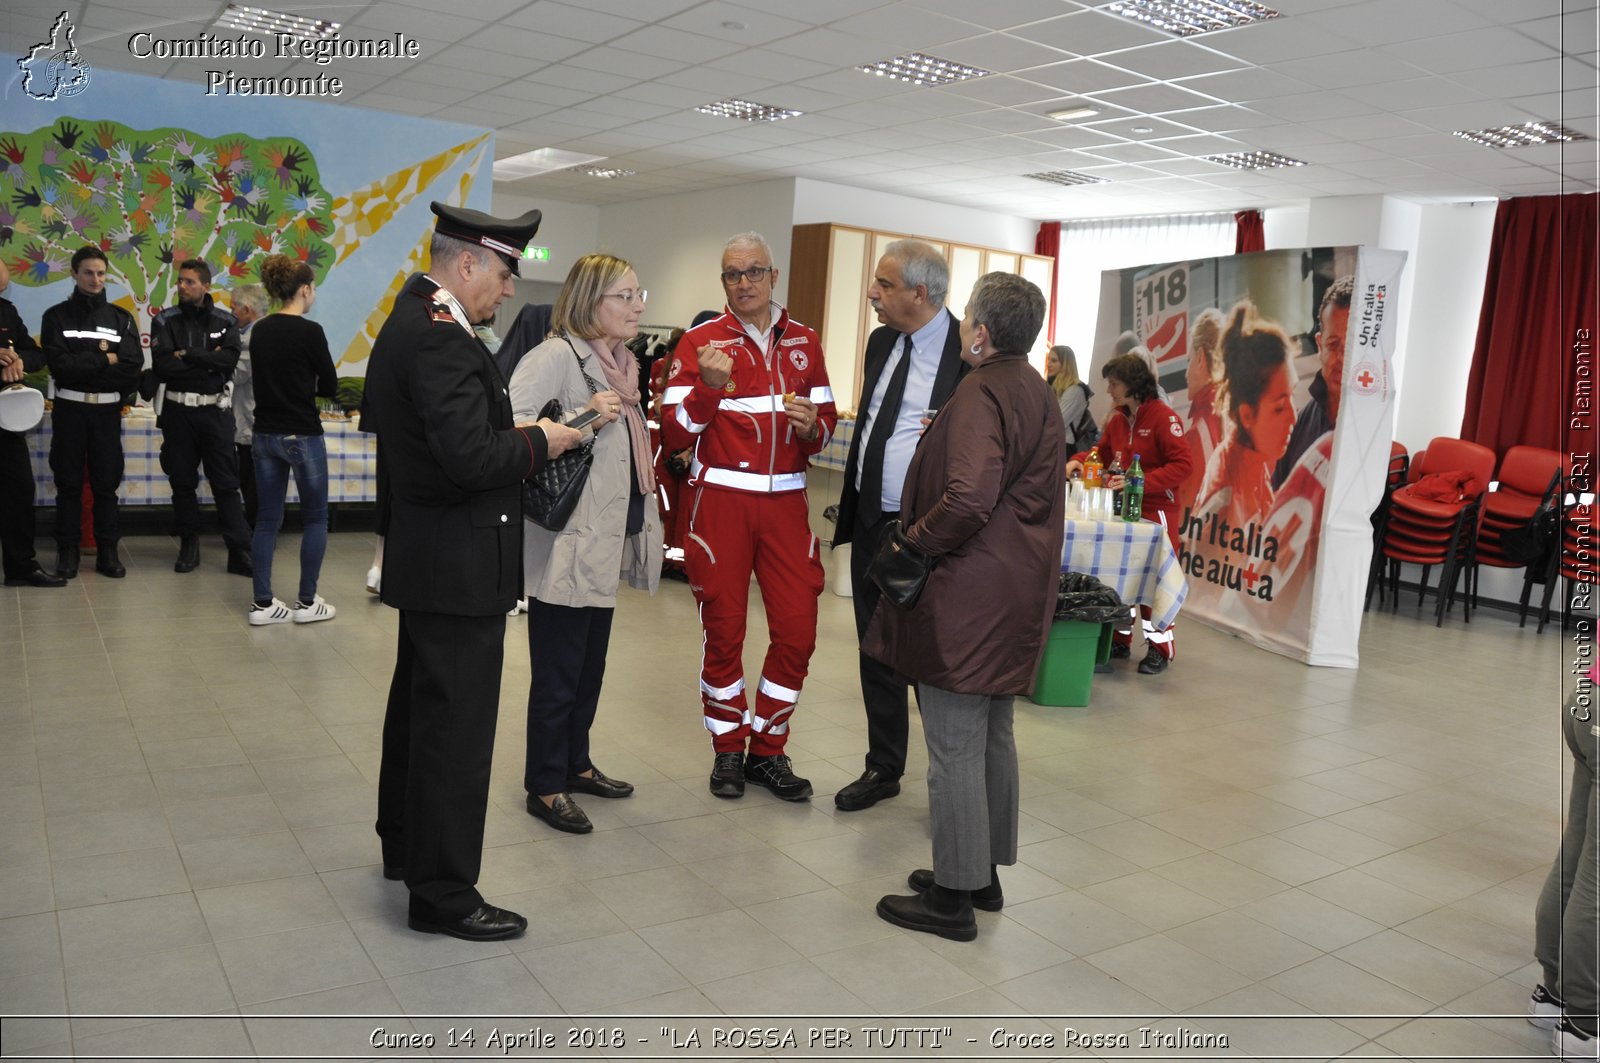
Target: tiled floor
(1351,857)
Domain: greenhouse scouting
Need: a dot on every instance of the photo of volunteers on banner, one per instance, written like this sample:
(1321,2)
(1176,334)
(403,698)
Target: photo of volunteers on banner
(1277,366)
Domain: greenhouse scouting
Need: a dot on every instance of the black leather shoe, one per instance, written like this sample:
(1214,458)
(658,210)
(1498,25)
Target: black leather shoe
(872,787)
(36,577)
(599,784)
(1154,663)
(239,563)
(989,899)
(67,562)
(488,923)
(727,775)
(106,562)
(188,554)
(1121,651)
(563,814)
(937,910)
(776,773)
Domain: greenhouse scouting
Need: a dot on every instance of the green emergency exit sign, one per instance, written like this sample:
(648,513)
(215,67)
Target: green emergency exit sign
(536,254)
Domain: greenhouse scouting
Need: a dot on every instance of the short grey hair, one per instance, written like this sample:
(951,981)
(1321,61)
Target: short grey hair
(444,248)
(252,295)
(1011,307)
(921,263)
(749,240)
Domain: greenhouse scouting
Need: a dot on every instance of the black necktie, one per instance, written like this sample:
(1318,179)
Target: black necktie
(882,428)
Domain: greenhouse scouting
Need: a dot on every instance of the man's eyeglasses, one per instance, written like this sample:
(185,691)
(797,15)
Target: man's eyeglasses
(630,296)
(754,274)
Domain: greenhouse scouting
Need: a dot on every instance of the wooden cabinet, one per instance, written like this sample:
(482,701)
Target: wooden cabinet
(830,268)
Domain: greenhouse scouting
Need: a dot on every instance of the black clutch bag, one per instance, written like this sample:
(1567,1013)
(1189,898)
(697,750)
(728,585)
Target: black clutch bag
(899,569)
(550,495)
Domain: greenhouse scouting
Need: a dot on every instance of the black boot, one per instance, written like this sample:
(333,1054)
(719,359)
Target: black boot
(239,563)
(935,910)
(188,554)
(106,562)
(67,561)
(989,899)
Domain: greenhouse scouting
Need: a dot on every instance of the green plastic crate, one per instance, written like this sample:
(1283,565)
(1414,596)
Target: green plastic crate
(1067,670)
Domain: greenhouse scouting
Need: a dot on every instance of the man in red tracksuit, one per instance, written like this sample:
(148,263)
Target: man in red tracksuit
(749,391)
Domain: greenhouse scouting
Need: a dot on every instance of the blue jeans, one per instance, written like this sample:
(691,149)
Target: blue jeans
(276,457)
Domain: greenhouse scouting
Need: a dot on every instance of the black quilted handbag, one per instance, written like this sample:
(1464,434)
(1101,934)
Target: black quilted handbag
(550,495)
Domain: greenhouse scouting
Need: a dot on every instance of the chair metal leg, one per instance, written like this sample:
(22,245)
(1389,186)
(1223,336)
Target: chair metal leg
(1422,592)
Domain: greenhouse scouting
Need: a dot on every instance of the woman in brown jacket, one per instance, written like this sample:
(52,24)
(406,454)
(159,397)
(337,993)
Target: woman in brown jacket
(985,498)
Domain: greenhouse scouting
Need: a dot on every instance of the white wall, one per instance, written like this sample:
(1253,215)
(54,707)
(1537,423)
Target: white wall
(567,229)
(819,201)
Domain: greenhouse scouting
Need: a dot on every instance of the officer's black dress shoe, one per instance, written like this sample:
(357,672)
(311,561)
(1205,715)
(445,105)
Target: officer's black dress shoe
(488,923)
(776,773)
(872,787)
(1154,663)
(563,814)
(239,562)
(67,562)
(36,577)
(599,784)
(727,775)
(188,554)
(107,564)
(990,899)
(936,910)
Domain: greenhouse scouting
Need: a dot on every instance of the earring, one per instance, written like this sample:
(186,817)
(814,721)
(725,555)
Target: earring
(977,348)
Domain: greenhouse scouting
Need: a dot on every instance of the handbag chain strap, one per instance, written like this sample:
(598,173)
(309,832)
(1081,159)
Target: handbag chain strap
(594,387)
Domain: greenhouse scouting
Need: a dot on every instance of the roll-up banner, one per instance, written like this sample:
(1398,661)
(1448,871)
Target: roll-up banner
(1279,364)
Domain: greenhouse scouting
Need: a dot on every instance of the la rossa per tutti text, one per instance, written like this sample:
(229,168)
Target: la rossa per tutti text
(319,50)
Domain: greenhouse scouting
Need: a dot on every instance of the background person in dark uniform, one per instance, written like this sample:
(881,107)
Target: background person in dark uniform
(19,354)
(92,348)
(194,347)
(452,563)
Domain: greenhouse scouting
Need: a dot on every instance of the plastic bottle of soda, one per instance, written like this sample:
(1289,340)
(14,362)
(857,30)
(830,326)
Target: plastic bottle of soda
(1133,492)
(1092,469)
(1115,469)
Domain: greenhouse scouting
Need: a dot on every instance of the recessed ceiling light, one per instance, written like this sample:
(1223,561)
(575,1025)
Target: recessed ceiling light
(920,69)
(538,161)
(1185,18)
(750,112)
(1253,160)
(1066,177)
(265,22)
(1070,113)
(1521,136)
(606,172)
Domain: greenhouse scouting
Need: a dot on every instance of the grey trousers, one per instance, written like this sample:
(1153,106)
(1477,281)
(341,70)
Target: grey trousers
(1567,919)
(972,784)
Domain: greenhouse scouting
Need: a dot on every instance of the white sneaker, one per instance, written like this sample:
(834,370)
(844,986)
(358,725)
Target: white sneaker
(276,613)
(1544,1010)
(317,610)
(374,579)
(520,607)
(1569,1042)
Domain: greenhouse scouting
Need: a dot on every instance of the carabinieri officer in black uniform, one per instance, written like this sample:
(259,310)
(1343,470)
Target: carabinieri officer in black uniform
(452,563)
(194,349)
(92,348)
(19,354)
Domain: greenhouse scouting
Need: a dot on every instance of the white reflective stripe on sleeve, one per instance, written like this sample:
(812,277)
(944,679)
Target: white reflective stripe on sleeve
(722,693)
(777,692)
(92,334)
(758,404)
(821,395)
(673,396)
(689,424)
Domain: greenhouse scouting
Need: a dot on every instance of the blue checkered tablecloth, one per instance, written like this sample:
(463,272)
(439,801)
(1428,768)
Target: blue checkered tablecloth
(834,454)
(352,464)
(1135,560)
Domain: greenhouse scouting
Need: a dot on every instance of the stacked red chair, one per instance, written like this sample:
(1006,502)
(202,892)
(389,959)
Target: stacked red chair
(1576,560)
(1399,470)
(1527,475)
(1433,519)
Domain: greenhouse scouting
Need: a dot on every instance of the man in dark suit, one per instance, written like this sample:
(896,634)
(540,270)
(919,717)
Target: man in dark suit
(912,364)
(452,563)
(19,355)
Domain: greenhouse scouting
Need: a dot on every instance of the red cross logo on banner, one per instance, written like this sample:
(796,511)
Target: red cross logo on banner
(1365,378)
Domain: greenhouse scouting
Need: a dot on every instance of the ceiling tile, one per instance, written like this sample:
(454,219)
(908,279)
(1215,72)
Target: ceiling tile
(1464,51)
(1383,22)
(720,20)
(770,63)
(906,28)
(533,47)
(999,52)
(1407,95)
(1170,60)
(1083,76)
(432,28)
(1001,89)
(1155,99)
(1359,67)
(659,40)
(1280,40)
(997,14)
(1243,86)
(1573,32)
(1133,153)
(467,57)
(1155,128)
(564,20)
(1223,118)
(1312,106)
(1090,33)
(631,67)
(828,45)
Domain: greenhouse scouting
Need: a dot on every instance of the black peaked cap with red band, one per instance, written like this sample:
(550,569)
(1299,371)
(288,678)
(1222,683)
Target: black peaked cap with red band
(505,237)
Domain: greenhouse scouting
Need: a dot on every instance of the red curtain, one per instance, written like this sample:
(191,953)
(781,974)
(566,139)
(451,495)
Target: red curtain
(1048,242)
(1535,353)
(1251,234)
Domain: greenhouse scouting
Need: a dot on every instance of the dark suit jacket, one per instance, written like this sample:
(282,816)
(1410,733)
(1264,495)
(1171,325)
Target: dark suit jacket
(454,460)
(880,345)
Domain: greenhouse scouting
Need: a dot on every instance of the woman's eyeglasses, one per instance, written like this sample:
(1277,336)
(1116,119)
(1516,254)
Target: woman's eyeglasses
(630,296)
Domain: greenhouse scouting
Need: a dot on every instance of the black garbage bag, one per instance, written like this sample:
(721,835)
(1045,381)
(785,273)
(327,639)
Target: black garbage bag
(1082,597)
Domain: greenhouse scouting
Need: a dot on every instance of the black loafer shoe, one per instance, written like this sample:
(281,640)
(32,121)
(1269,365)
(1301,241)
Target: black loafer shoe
(988,899)
(776,773)
(188,554)
(872,787)
(727,775)
(563,814)
(488,923)
(929,913)
(36,577)
(67,562)
(107,564)
(598,784)
(239,563)
(1154,663)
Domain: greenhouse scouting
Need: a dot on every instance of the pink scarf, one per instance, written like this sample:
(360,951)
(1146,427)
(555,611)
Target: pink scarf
(622,376)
